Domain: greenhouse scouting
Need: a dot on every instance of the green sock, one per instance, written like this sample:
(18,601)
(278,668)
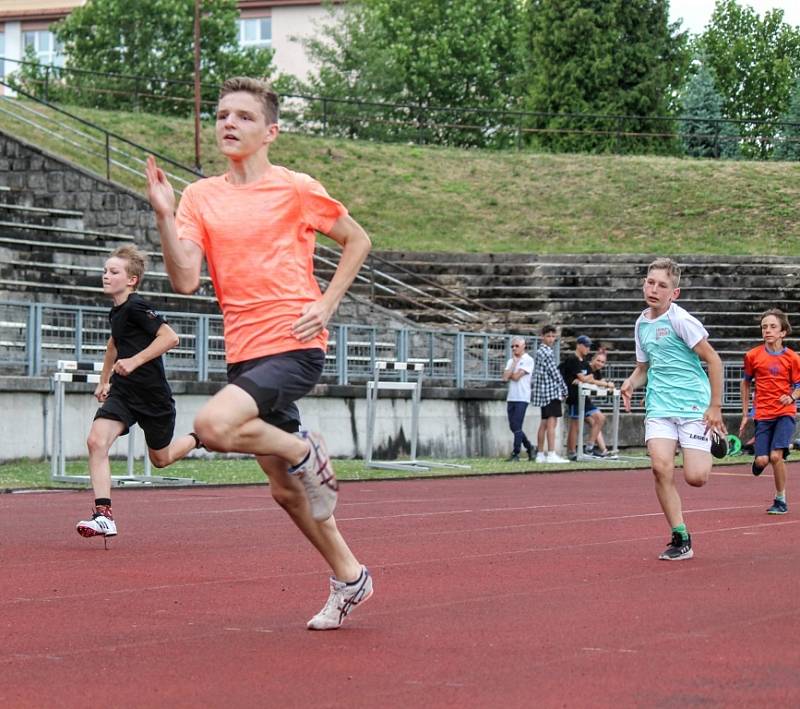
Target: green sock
(681,529)
(781,496)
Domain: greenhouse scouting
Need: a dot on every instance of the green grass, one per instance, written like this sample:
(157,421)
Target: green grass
(413,198)
(28,474)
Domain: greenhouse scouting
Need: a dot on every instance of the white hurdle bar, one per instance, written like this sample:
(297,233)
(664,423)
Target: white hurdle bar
(585,390)
(376,385)
(415,387)
(75,371)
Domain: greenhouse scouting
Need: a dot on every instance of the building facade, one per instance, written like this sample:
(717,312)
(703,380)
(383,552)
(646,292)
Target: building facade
(262,23)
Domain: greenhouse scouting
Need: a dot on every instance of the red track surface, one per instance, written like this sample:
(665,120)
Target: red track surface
(513,591)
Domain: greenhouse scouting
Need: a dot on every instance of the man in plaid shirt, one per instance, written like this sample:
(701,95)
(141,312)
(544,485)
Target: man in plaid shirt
(548,388)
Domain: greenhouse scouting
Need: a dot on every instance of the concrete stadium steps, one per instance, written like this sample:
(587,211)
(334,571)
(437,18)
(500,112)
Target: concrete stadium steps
(601,294)
(46,255)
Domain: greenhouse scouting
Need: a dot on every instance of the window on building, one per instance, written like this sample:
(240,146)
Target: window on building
(255,32)
(45,46)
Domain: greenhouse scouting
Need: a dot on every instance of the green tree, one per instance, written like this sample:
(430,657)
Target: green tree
(704,133)
(449,64)
(605,58)
(152,38)
(755,61)
(787,141)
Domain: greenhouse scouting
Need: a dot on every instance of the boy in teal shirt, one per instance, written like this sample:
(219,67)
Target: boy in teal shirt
(682,404)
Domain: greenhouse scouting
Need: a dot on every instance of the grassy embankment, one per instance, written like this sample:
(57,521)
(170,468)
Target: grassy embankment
(413,198)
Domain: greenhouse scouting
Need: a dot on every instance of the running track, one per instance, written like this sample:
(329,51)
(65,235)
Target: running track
(509,591)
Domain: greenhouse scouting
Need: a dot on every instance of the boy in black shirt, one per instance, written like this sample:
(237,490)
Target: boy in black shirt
(133,387)
(575,369)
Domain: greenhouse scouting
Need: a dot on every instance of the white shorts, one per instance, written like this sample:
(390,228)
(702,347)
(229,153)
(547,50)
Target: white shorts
(690,433)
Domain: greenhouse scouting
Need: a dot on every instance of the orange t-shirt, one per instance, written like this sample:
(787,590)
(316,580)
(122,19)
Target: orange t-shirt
(258,240)
(775,374)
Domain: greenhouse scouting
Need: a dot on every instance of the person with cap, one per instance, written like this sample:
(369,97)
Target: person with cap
(575,369)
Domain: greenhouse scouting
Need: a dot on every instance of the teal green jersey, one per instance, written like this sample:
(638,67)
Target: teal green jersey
(676,383)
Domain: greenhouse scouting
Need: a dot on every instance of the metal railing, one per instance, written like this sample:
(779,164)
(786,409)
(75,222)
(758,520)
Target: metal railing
(731,393)
(426,124)
(34,336)
(99,150)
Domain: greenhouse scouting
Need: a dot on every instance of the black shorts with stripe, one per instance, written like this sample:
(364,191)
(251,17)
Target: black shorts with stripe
(277,381)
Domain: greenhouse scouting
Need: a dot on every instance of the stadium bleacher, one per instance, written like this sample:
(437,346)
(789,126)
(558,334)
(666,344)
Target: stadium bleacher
(48,256)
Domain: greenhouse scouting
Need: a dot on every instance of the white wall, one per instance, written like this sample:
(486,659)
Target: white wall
(449,428)
(288,22)
(13,50)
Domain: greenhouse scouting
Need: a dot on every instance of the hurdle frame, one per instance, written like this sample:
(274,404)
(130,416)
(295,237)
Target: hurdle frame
(87,372)
(415,387)
(584,390)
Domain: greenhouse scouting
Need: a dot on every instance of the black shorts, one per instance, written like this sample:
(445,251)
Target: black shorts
(156,420)
(276,381)
(552,410)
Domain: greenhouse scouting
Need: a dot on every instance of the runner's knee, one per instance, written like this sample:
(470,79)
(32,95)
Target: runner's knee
(215,433)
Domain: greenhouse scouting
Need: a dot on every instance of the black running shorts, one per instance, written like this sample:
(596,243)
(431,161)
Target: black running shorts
(157,423)
(276,381)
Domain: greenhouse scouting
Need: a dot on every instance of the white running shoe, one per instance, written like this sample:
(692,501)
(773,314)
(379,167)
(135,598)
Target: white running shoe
(318,478)
(553,457)
(540,457)
(97,526)
(343,599)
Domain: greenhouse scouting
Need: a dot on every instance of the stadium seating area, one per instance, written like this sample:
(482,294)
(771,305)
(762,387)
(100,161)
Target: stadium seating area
(601,295)
(47,255)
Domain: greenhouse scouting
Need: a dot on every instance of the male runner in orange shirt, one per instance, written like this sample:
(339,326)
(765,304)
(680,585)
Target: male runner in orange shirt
(775,369)
(255,225)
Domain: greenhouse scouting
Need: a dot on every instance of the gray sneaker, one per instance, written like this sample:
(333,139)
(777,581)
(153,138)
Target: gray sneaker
(341,602)
(318,478)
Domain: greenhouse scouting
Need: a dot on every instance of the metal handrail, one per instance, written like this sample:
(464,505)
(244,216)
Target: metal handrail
(413,289)
(108,135)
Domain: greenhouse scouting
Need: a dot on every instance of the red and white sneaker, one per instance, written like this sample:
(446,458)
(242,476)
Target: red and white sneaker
(98,526)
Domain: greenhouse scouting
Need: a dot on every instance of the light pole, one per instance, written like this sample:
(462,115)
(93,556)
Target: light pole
(197,85)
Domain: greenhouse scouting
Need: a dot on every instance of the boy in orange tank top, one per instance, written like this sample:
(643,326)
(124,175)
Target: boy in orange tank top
(255,226)
(775,370)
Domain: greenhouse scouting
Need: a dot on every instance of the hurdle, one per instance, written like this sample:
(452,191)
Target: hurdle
(88,372)
(585,390)
(415,387)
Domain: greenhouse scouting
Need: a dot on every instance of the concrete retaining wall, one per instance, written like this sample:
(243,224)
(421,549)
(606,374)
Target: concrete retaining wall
(453,423)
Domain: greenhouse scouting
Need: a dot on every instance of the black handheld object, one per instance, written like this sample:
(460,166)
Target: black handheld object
(719,445)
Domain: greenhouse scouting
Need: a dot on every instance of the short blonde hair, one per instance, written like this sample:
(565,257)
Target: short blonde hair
(135,261)
(668,265)
(261,90)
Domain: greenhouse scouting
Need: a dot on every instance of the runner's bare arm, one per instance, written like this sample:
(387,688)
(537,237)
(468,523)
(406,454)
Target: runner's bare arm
(355,243)
(183,259)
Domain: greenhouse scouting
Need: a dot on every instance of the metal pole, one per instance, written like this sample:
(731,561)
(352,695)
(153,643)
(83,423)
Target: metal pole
(615,424)
(415,406)
(372,405)
(581,410)
(131,444)
(108,156)
(197,163)
(56,448)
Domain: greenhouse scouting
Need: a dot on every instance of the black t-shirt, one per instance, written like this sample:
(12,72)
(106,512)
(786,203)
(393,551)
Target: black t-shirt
(134,325)
(570,368)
